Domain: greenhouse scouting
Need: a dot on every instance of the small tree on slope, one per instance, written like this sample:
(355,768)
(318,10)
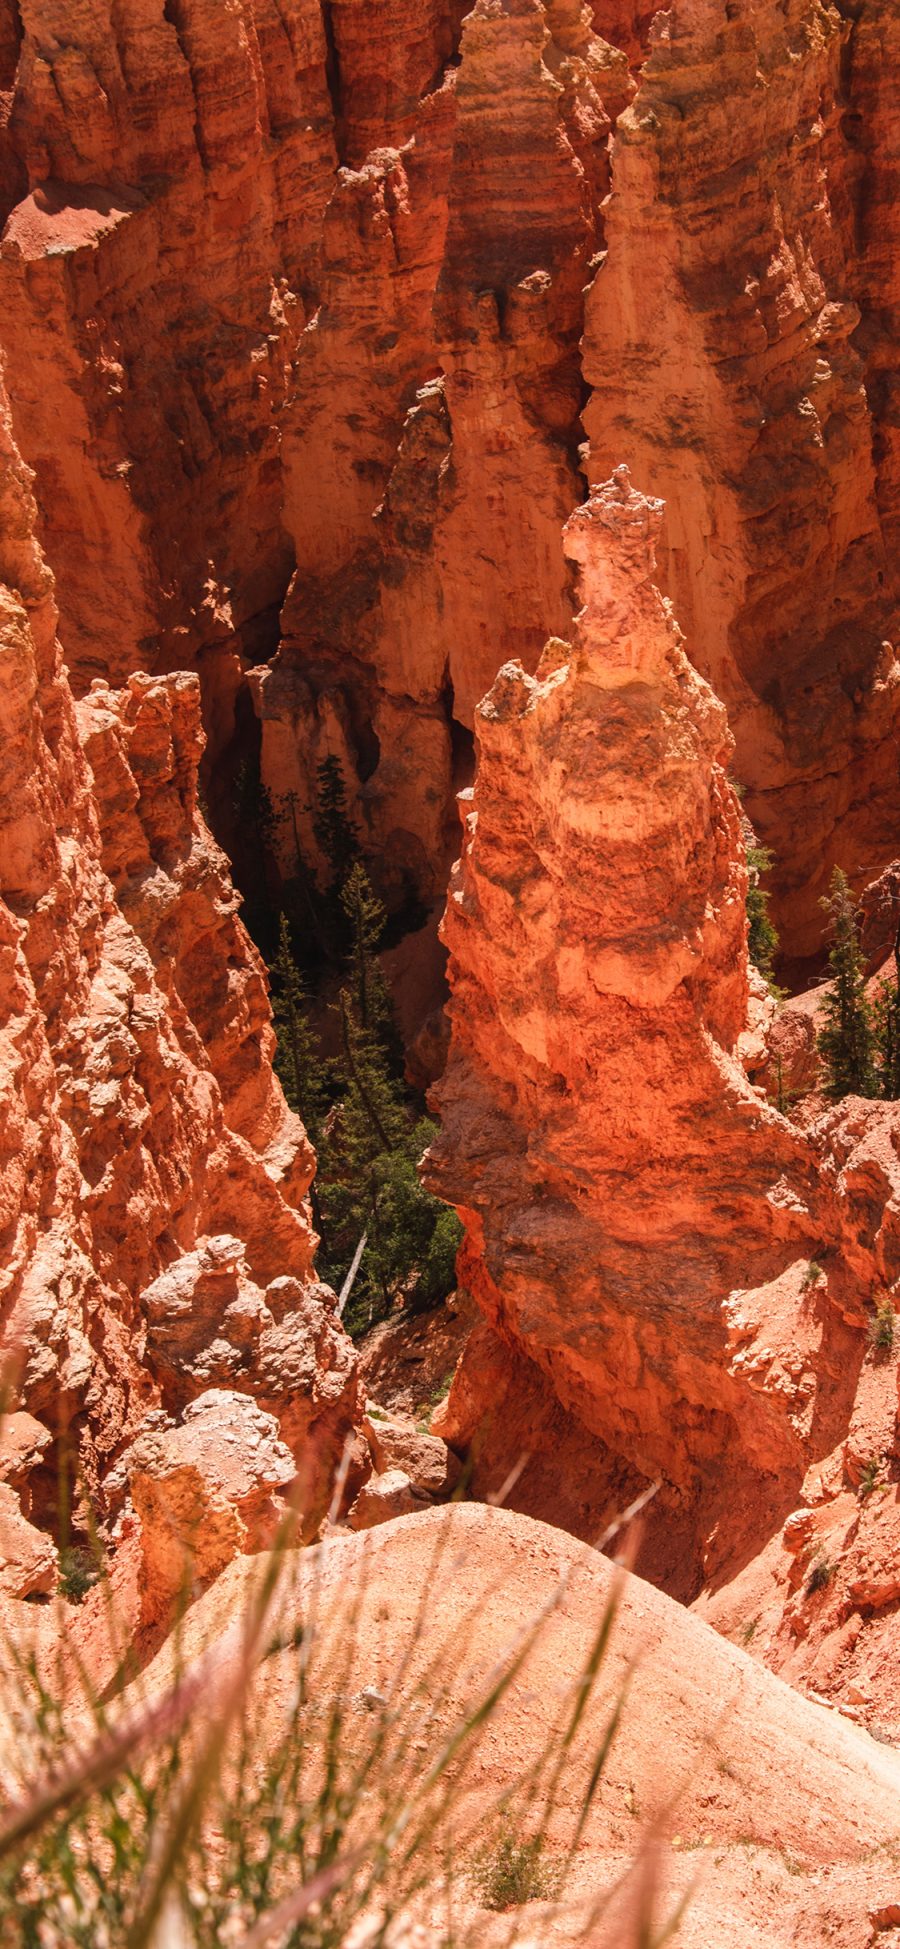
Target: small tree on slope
(298,1064)
(847,1040)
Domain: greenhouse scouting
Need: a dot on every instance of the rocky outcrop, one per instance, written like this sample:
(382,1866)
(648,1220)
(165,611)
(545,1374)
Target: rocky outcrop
(639,1223)
(820,1599)
(29,1562)
(205,1492)
(678,1284)
(172,883)
(141,1121)
(737,346)
(410,1469)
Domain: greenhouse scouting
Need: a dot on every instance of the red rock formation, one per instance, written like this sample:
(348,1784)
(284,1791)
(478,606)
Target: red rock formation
(293,303)
(820,1599)
(732,364)
(178,161)
(205,1492)
(242,370)
(141,1119)
(11,183)
(223,354)
(430,440)
(639,1223)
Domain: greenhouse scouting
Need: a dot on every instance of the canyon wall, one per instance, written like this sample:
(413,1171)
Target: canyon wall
(307,310)
(294,306)
(156,1238)
(177,160)
(738,349)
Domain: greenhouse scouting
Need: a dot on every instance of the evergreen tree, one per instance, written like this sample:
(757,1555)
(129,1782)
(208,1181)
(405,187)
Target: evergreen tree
(372,1186)
(333,824)
(252,805)
(300,897)
(366,919)
(359,1116)
(253,852)
(298,1064)
(886,1016)
(847,1041)
(369,1127)
(762,938)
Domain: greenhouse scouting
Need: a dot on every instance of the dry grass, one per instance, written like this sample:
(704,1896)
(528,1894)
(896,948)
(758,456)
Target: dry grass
(254,1792)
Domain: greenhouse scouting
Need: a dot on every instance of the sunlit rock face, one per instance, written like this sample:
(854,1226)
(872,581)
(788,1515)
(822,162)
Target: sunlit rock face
(639,1220)
(147,1154)
(307,312)
(292,317)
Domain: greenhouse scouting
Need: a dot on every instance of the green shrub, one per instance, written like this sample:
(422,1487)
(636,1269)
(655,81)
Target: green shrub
(79,1569)
(880,1331)
(514,1870)
(820,1575)
(869,1479)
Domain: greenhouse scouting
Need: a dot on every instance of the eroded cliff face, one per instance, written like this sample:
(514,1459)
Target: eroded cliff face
(177,160)
(430,442)
(737,346)
(153,1178)
(303,308)
(640,1222)
(293,310)
(307,309)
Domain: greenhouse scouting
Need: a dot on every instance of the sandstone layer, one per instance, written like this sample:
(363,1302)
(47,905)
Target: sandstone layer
(156,1238)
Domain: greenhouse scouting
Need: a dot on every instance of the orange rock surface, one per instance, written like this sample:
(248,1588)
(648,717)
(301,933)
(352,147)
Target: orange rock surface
(435,403)
(687,1271)
(300,326)
(141,1118)
(287,317)
(306,312)
(737,345)
(617,1175)
(177,163)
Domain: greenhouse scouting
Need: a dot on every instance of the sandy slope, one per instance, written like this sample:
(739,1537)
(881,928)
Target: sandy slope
(783,1813)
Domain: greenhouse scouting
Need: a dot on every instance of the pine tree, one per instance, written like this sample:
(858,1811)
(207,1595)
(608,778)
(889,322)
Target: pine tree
(299,891)
(252,805)
(847,1042)
(255,833)
(298,1065)
(333,824)
(886,1015)
(366,919)
(371,1186)
(368,1129)
(357,1112)
(762,938)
